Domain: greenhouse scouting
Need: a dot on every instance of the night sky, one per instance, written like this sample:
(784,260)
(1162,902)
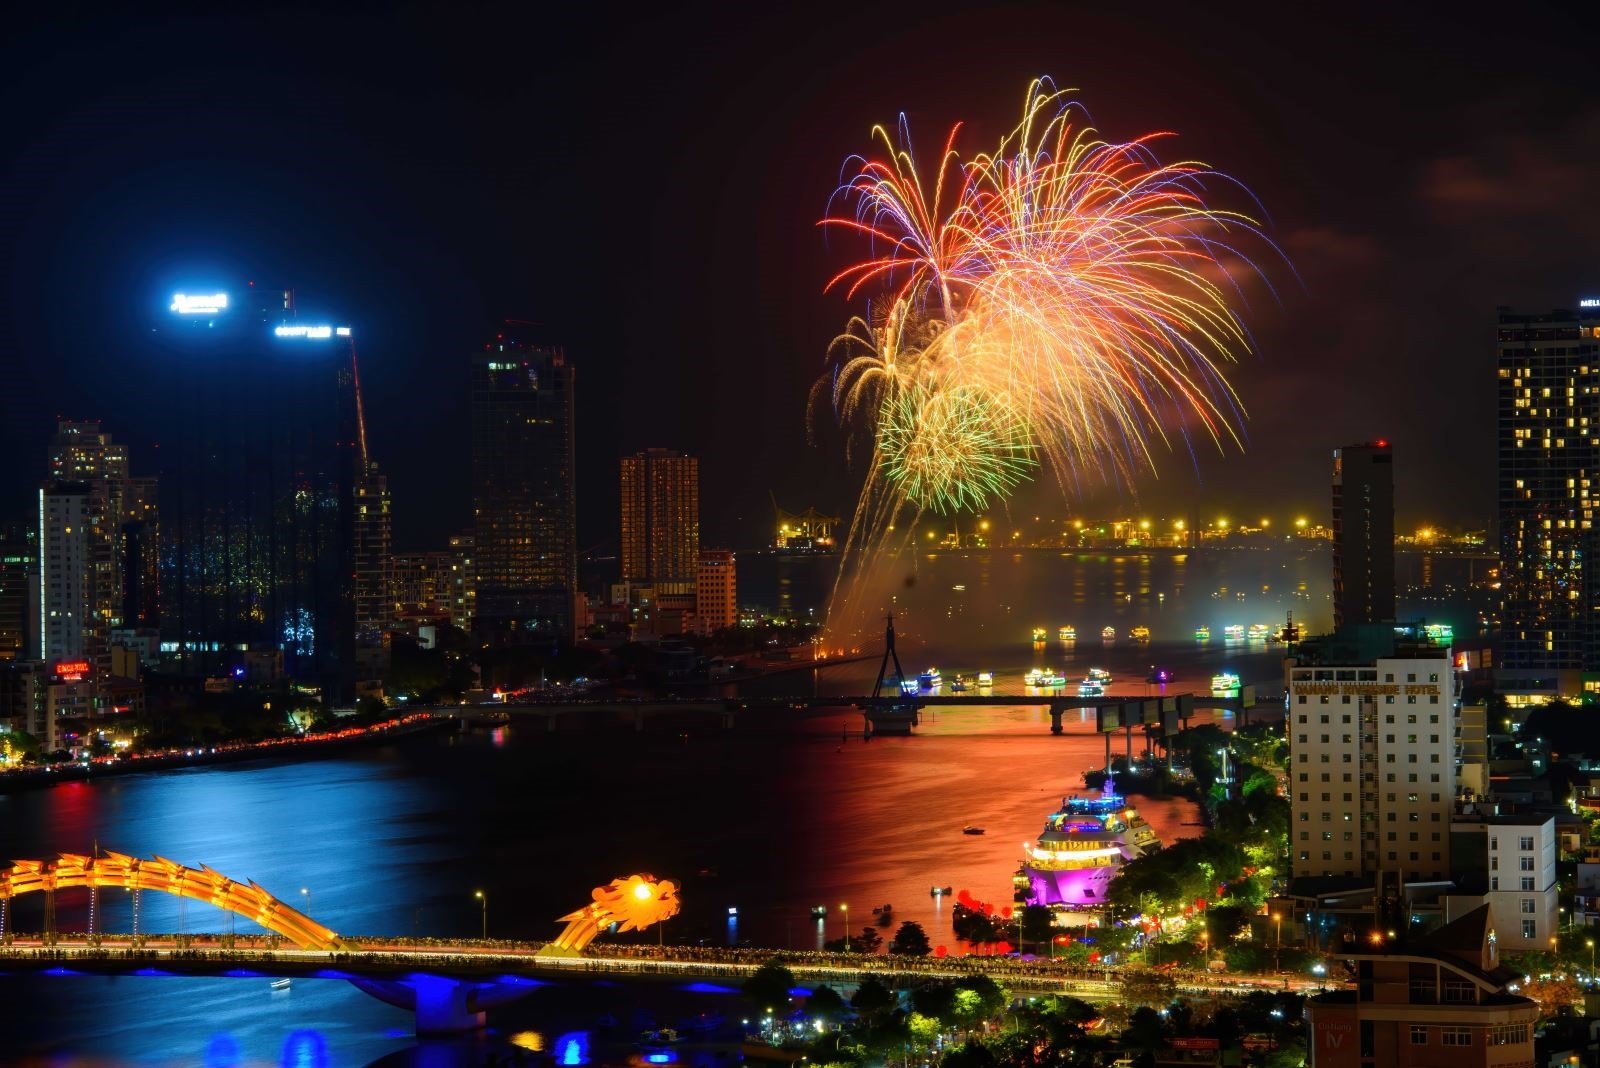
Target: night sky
(647,188)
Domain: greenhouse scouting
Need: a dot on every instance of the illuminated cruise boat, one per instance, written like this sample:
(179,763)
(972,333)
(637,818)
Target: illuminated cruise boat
(1108,634)
(1225,684)
(1202,634)
(1259,632)
(1140,634)
(1091,688)
(1083,844)
(1038,634)
(1233,633)
(930,678)
(1069,634)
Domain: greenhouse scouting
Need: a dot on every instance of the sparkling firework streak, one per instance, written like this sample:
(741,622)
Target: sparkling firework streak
(1064,302)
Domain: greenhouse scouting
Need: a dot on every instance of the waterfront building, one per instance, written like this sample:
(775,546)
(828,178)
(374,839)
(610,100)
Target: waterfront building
(661,520)
(1439,998)
(259,521)
(19,591)
(524,538)
(1371,731)
(716,598)
(23,685)
(1363,534)
(1511,859)
(69,548)
(83,503)
(1547,372)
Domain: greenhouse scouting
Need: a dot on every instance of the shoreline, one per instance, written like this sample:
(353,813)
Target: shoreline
(286,751)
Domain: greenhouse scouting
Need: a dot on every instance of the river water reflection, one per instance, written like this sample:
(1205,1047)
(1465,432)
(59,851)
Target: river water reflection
(772,818)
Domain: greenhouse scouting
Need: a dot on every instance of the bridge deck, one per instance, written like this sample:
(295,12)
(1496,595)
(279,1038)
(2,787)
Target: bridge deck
(523,965)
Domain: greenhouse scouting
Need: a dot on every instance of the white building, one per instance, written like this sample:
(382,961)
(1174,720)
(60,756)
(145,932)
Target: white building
(1371,729)
(66,543)
(1519,854)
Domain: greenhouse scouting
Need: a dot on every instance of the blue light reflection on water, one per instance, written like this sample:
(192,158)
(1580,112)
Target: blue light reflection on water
(572,1048)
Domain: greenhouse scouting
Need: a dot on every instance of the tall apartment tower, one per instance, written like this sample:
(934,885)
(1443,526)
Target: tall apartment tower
(68,548)
(19,591)
(1363,534)
(661,520)
(1547,370)
(1372,770)
(524,509)
(83,505)
(372,556)
(139,553)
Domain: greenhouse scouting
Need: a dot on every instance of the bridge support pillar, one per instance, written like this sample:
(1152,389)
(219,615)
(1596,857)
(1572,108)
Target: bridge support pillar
(444,1006)
(1056,712)
(896,719)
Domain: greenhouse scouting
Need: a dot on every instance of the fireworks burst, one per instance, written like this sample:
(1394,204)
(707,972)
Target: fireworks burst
(1064,302)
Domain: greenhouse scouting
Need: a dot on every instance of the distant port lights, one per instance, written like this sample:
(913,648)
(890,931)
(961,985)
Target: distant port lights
(199,303)
(314,333)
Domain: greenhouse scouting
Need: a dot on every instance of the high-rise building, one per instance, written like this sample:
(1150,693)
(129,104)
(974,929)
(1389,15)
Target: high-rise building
(260,524)
(1363,534)
(19,591)
(1548,377)
(716,599)
(372,557)
(139,553)
(661,520)
(1511,859)
(525,538)
(1372,772)
(424,583)
(463,581)
(68,542)
(81,451)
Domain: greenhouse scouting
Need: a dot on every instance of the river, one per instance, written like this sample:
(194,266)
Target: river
(771,819)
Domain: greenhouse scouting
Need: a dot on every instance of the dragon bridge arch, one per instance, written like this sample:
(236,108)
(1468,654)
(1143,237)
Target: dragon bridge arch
(119,870)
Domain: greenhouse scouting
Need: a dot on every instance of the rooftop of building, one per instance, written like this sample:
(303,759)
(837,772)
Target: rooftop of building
(1367,643)
(1466,945)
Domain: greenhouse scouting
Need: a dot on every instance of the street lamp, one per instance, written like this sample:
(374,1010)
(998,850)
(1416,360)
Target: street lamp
(1590,943)
(305,893)
(1277,949)
(483,909)
(844,907)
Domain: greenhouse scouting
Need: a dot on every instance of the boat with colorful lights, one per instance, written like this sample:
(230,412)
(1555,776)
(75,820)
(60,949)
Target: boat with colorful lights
(1083,845)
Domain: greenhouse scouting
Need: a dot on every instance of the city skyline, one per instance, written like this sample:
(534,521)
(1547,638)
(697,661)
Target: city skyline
(1356,242)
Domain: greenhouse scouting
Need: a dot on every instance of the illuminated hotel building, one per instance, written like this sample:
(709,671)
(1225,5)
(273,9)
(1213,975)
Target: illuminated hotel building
(260,529)
(1548,377)
(661,520)
(525,537)
(1372,767)
(716,599)
(1363,534)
